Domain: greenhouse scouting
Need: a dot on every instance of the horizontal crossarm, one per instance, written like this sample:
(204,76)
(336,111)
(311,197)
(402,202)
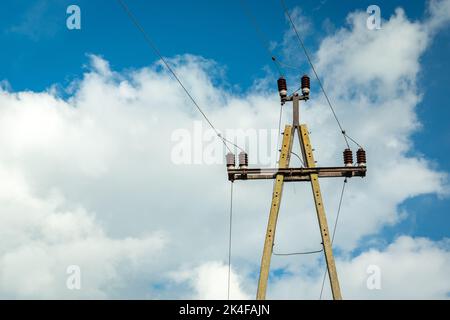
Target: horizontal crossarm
(295,174)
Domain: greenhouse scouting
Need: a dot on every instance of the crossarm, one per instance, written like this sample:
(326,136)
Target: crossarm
(295,174)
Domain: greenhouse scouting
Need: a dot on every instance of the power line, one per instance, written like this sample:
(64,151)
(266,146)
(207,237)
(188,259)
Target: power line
(278,64)
(334,232)
(261,36)
(289,66)
(279,130)
(353,140)
(152,45)
(229,240)
(264,40)
(297,253)
(232,143)
(299,158)
(283,4)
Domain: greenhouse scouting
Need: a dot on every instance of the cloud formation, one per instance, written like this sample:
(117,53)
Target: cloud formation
(409,268)
(88,180)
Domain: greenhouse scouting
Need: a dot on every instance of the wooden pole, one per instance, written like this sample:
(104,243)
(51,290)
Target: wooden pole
(273,216)
(332,273)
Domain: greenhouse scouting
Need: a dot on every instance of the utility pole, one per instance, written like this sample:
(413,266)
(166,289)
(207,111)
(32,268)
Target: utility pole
(307,173)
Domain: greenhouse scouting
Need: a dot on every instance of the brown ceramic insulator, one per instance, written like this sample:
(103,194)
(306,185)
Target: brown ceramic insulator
(306,83)
(231,160)
(243,159)
(282,87)
(348,157)
(361,156)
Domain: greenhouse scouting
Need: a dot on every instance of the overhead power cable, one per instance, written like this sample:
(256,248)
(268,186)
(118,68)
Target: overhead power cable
(299,158)
(232,143)
(297,253)
(261,36)
(264,40)
(229,240)
(289,66)
(279,131)
(155,49)
(302,44)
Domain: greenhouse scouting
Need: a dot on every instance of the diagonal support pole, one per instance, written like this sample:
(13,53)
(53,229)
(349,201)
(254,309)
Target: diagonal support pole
(309,159)
(273,216)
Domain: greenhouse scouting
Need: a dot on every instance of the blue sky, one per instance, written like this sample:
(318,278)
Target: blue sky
(218,30)
(44,53)
(38,51)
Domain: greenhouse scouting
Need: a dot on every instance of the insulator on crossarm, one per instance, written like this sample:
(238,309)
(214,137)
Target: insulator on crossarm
(282,88)
(231,160)
(306,85)
(243,160)
(348,158)
(361,157)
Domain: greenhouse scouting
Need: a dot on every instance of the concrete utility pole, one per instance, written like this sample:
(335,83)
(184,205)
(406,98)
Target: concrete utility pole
(284,174)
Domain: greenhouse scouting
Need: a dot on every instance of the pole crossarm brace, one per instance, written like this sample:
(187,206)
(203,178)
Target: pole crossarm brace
(295,174)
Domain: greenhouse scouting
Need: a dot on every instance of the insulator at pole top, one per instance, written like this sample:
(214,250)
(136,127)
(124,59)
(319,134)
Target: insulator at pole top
(348,157)
(282,88)
(305,85)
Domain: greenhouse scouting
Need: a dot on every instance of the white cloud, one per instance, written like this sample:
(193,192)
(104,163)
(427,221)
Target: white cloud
(40,239)
(89,180)
(371,77)
(210,281)
(409,268)
(289,44)
(359,56)
(439,14)
(39,20)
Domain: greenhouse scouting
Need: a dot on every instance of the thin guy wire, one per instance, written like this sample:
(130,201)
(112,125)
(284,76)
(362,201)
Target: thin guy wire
(229,240)
(353,140)
(297,253)
(158,53)
(233,144)
(283,4)
(279,131)
(299,158)
(262,38)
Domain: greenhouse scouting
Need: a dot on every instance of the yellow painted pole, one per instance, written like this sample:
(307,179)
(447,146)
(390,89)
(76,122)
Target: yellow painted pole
(309,159)
(273,216)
